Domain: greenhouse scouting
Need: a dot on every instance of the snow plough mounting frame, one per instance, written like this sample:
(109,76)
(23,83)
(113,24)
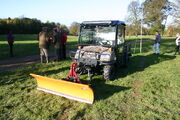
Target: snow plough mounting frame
(72,76)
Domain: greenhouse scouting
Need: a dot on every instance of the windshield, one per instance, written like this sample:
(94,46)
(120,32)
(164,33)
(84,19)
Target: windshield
(98,35)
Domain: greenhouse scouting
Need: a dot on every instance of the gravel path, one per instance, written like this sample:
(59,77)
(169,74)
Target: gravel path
(20,62)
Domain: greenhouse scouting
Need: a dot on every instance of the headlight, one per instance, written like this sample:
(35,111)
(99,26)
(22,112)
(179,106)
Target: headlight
(105,57)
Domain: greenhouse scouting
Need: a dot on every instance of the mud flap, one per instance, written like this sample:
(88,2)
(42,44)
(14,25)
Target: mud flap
(75,91)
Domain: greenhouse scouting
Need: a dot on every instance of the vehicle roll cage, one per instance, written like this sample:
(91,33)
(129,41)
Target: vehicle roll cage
(104,23)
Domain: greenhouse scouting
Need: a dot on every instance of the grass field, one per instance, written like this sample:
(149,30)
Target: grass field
(26,45)
(149,89)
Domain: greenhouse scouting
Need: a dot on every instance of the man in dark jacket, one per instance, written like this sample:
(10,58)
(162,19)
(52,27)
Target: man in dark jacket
(63,42)
(10,39)
(43,45)
(57,44)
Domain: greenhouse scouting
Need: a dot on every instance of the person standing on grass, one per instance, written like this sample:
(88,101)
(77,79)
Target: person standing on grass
(10,40)
(177,43)
(57,44)
(43,45)
(156,46)
(63,42)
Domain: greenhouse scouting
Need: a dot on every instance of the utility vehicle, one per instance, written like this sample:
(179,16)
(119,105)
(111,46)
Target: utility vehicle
(101,46)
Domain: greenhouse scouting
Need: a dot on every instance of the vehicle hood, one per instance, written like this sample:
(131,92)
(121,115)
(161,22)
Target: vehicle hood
(99,49)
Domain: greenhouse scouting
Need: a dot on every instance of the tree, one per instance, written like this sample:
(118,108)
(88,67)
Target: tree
(133,18)
(74,28)
(156,12)
(130,31)
(65,29)
(20,25)
(176,11)
(172,30)
(50,25)
(26,25)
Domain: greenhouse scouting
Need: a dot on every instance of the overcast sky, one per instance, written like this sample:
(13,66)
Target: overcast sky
(65,11)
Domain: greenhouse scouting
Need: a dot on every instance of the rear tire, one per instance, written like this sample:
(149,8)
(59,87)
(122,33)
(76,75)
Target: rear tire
(125,60)
(108,72)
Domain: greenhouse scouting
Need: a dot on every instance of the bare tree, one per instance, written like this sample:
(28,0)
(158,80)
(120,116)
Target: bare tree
(74,28)
(176,11)
(133,19)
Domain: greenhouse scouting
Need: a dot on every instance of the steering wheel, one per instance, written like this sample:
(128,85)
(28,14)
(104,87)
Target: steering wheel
(104,42)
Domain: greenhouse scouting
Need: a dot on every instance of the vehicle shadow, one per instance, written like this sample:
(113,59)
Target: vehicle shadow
(103,91)
(139,63)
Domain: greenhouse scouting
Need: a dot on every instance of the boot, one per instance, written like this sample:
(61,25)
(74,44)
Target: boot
(41,57)
(47,59)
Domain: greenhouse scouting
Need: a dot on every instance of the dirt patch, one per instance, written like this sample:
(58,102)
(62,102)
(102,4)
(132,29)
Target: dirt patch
(25,61)
(20,62)
(136,89)
(16,65)
(138,83)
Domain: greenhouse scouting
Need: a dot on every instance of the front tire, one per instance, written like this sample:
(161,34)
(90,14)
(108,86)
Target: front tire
(125,60)
(108,72)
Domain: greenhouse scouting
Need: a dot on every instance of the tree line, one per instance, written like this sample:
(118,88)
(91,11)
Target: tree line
(20,25)
(33,26)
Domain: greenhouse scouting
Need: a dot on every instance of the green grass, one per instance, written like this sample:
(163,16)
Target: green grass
(26,45)
(139,37)
(149,89)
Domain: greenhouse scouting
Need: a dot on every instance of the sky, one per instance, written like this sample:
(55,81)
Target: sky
(65,11)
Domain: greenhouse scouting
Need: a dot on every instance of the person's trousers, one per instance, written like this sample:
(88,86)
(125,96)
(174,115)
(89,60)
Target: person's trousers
(64,51)
(44,53)
(58,54)
(11,49)
(177,50)
(156,48)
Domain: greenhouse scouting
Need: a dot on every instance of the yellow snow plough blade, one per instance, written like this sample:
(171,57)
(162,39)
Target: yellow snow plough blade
(75,91)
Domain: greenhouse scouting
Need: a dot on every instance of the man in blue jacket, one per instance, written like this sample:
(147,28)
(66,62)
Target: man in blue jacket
(156,46)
